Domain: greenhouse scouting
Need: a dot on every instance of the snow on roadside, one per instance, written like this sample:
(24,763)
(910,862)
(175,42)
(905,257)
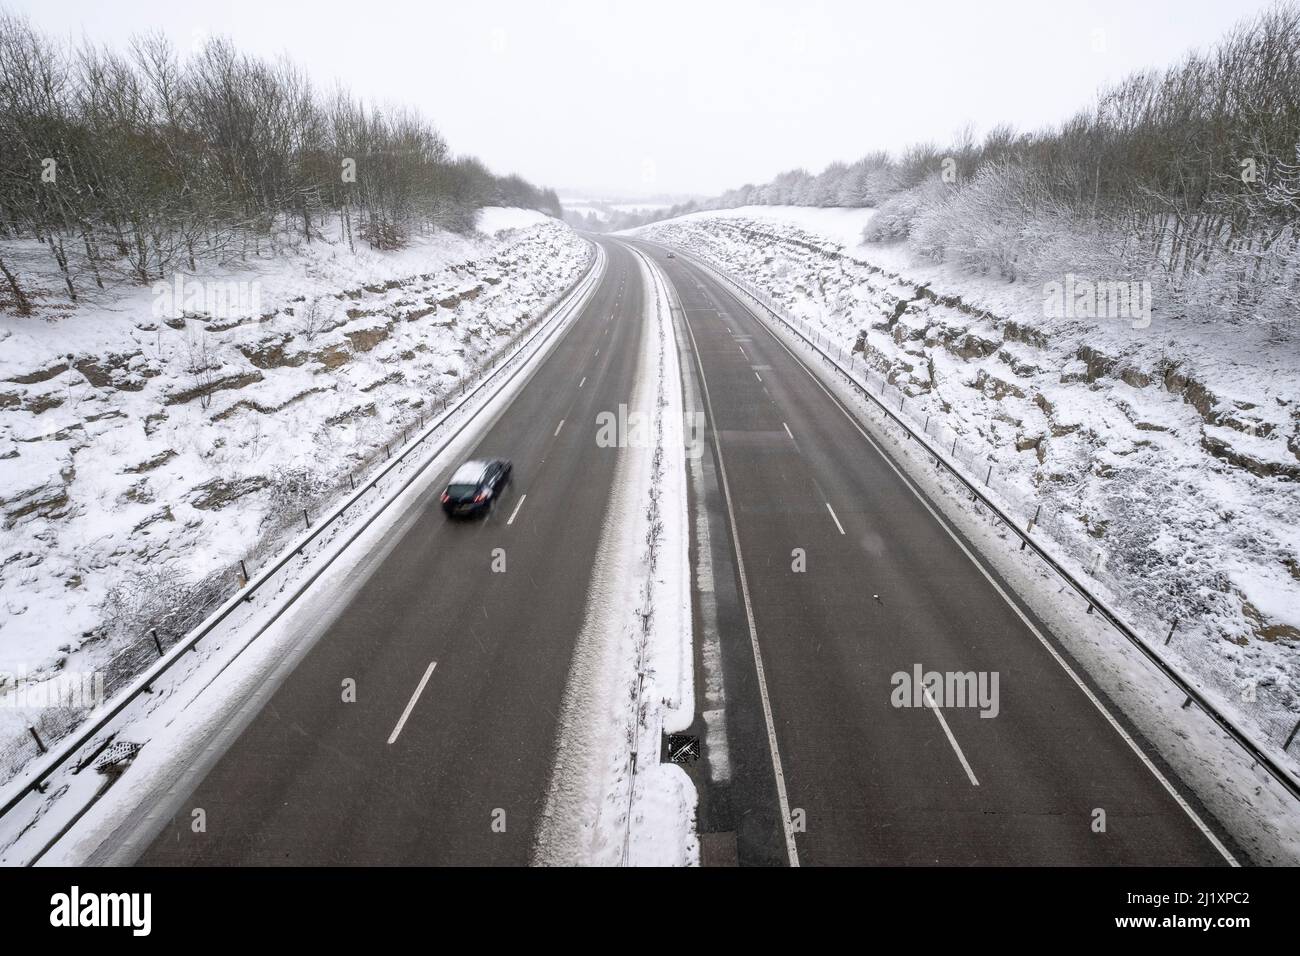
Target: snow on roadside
(611,801)
(1261,816)
(1165,459)
(497,219)
(205,709)
(143,456)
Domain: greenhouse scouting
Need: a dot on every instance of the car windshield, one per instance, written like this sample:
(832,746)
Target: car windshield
(461,491)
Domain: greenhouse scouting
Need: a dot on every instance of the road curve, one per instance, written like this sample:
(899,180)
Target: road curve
(446,754)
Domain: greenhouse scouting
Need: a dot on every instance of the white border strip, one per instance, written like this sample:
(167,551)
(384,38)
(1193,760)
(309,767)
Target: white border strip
(792,851)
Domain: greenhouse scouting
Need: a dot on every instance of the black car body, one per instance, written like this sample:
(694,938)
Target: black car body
(475,486)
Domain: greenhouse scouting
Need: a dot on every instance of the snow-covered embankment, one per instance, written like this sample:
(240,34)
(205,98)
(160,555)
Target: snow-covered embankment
(1161,463)
(150,444)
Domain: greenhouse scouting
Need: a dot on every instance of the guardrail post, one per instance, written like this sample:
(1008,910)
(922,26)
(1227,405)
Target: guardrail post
(1030,527)
(1170,636)
(1291,736)
(306,520)
(37,737)
(954,447)
(988,476)
(243,570)
(153,632)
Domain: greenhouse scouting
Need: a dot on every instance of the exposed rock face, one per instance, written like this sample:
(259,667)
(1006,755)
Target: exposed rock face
(270,353)
(149,464)
(363,340)
(266,408)
(112,371)
(218,493)
(216,384)
(36,483)
(1220,448)
(130,447)
(40,375)
(333,356)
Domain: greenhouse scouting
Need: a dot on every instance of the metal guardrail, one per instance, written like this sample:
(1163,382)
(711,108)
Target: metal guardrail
(1193,694)
(34,778)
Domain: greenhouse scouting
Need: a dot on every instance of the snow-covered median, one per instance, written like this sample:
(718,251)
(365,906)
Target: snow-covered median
(611,801)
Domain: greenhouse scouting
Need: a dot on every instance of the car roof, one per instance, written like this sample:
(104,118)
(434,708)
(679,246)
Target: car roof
(469,473)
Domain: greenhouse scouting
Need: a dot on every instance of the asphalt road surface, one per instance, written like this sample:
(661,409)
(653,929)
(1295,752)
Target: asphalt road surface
(886,588)
(313,780)
(460,671)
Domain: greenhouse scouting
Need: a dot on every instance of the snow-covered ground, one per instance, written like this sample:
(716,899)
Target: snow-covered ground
(145,452)
(207,700)
(1165,459)
(611,801)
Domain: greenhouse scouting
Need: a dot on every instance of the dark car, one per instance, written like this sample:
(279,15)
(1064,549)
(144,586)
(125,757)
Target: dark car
(475,486)
(672,255)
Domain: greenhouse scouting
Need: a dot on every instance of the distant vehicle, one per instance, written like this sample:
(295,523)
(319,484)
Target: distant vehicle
(672,255)
(475,486)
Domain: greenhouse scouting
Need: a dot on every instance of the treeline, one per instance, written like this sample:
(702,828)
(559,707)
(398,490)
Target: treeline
(139,162)
(1188,177)
(615,219)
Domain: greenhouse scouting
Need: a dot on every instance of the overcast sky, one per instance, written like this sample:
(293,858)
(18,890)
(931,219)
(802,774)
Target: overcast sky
(630,99)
